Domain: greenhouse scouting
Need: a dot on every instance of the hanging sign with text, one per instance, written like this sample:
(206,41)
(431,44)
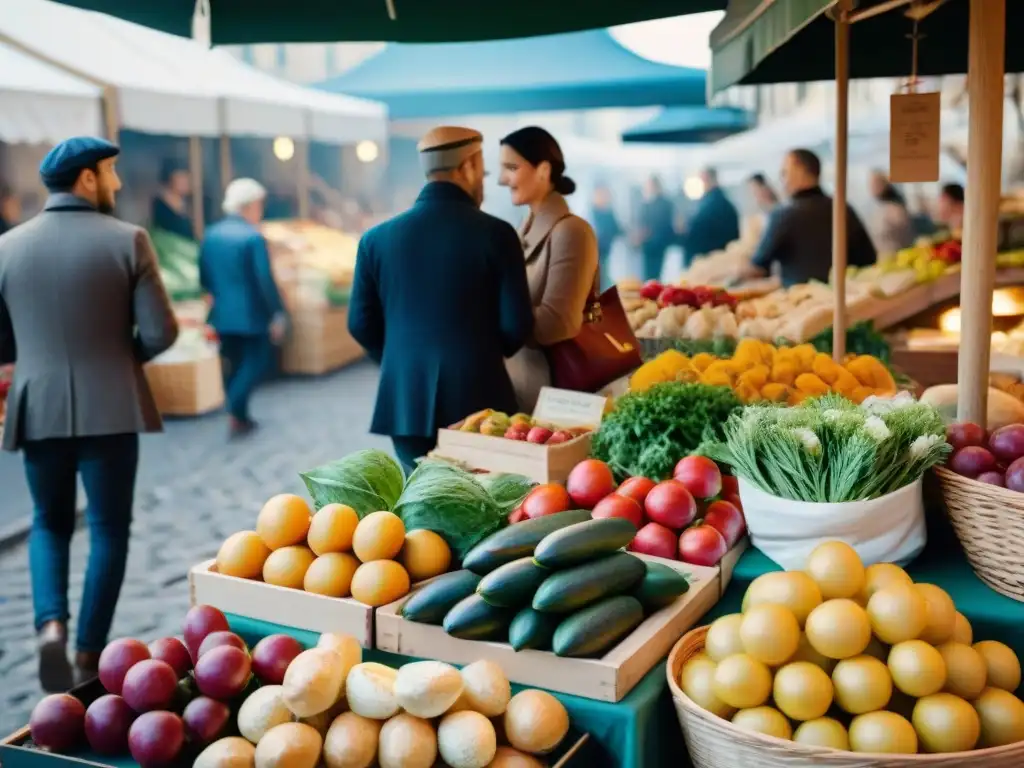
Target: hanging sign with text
(914,137)
(569,409)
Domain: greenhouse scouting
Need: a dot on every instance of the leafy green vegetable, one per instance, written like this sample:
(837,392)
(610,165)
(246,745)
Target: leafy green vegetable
(450,502)
(368,481)
(861,339)
(650,431)
(507,489)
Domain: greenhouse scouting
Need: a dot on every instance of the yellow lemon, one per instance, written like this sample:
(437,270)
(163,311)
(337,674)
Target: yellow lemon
(946,723)
(379,536)
(966,672)
(884,733)
(917,668)
(284,521)
(962,632)
(880,576)
(837,569)
(823,732)
(1002,718)
(332,528)
(723,638)
(770,633)
(862,684)
(764,720)
(1002,663)
(839,629)
(941,614)
(898,613)
(743,682)
(791,589)
(802,691)
(697,680)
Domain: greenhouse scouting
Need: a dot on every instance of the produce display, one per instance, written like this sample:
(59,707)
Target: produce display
(195,341)
(558,582)
(211,702)
(313,264)
(856,659)
(996,458)
(760,371)
(1004,408)
(519,426)
(178,260)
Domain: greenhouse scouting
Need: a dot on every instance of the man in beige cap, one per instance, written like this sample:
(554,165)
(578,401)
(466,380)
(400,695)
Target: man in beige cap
(440,299)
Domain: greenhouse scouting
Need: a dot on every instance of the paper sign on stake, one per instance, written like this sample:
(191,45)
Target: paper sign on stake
(914,137)
(566,408)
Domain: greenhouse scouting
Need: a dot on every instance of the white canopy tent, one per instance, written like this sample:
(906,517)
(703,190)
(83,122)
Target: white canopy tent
(41,104)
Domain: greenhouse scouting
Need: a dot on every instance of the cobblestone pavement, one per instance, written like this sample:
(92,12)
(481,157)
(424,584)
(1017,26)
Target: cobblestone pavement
(194,489)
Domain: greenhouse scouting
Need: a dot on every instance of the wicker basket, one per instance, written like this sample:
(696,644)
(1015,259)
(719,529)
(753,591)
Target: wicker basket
(989,521)
(717,743)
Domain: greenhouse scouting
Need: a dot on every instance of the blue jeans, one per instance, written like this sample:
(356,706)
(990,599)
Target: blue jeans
(250,359)
(108,467)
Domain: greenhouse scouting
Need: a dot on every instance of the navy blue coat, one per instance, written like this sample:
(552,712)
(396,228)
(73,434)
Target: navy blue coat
(440,299)
(234,268)
(713,225)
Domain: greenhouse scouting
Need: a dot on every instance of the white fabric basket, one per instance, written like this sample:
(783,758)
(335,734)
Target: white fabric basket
(889,529)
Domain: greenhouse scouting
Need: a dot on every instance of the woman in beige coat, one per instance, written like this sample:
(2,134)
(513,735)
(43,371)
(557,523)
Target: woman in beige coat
(560,251)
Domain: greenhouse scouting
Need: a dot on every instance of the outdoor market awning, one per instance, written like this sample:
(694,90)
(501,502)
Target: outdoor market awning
(41,104)
(413,21)
(784,41)
(690,125)
(579,70)
(171,85)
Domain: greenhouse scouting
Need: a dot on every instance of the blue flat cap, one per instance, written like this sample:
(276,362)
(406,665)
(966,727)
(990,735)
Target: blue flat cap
(63,163)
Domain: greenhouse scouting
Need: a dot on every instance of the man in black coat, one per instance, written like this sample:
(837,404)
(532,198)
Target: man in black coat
(440,299)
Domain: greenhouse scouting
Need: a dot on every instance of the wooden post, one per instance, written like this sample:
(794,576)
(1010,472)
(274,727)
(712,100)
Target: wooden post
(195,169)
(226,170)
(111,115)
(986,66)
(302,158)
(839,239)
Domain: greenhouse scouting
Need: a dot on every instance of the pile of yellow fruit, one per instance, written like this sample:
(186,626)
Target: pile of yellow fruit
(857,659)
(333,552)
(760,371)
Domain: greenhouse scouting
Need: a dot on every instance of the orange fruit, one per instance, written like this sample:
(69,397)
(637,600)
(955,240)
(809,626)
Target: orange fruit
(379,536)
(332,528)
(380,582)
(286,567)
(331,574)
(283,521)
(425,555)
(242,555)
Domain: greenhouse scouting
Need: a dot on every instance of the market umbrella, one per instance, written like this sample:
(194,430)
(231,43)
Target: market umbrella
(577,70)
(690,125)
(411,21)
(762,41)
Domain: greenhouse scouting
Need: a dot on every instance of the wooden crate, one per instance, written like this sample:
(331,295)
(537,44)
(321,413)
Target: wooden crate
(187,388)
(279,605)
(606,679)
(319,342)
(543,463)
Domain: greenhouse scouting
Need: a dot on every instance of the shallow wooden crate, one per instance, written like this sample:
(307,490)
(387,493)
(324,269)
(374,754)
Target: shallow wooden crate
(609,678)
(319,342)
(543,463)
(279,605)
(187,388)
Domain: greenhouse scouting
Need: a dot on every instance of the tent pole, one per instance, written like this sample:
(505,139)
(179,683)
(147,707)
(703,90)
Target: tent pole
(839,239)
(195,169)
(226,170)
(302,157)
(986,66)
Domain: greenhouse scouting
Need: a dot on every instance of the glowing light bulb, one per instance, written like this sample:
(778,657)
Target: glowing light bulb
(367,151)
(284,148)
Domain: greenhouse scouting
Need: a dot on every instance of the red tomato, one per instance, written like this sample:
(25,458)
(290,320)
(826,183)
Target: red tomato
(725,518)
(656,540)
(589,482)
(636,488)
(671,505)
(546,499)
(734,499)
(702,545)
(616,505)
(730,485)
(700,475)
(517,516)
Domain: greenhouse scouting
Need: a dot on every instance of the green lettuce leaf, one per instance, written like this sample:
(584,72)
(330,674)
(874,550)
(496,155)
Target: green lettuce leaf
(507,489)
(368,481)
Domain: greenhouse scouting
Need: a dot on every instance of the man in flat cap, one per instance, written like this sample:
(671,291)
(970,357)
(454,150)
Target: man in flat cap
(440,299)
(247,311)
(82,306)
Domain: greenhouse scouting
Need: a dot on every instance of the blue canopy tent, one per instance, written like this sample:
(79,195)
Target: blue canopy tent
(579,70)
(689,125)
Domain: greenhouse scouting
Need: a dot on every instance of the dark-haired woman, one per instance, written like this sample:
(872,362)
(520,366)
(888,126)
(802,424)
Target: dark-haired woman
(560,250)
(892,227)
(170,206)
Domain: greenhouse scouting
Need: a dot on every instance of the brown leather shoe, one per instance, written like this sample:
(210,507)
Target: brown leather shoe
(54,670)
(87,667)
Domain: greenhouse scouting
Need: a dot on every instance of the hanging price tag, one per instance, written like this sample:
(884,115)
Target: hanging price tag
(914,137)
(569,409)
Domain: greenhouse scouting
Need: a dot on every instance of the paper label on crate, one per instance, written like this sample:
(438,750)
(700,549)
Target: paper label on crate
(566,408)
(914,133)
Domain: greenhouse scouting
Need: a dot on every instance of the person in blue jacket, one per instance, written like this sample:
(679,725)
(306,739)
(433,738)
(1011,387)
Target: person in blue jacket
(713,225)
(247,313)
(439,300)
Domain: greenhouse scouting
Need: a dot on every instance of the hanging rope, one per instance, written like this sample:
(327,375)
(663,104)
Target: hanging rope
(201,26)
(392,13)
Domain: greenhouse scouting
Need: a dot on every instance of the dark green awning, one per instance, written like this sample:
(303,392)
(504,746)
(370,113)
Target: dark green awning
(417,21)
(786,41)
(689,125)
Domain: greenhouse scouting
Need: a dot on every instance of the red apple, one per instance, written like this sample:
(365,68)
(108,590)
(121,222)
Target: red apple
(117,658)
(654,539)
(200,621)
(615,505)
(561,436)
(702,545)
(700,475)
(965,434)
(670,504)
(271,657)
(539,435)
(217,639)
(150,685)
(174,652)
(223,672)
(589,482)
(636,488)
(725,518)
(517,431)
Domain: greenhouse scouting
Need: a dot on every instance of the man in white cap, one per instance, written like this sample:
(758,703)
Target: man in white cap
(440,299)
(247,312)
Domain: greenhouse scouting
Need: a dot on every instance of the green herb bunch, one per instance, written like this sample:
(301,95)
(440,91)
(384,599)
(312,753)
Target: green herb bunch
(650,431)
(829,450)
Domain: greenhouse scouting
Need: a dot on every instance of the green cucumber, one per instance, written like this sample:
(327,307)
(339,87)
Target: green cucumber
(517,540)
(430,603)
(513,584)
(598,627)
(582,542)
(574,588)
(660,586)
(473,618)
(532,629)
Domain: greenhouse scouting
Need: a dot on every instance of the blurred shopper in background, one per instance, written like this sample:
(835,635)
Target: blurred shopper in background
(606,228)
(81,294)
(761,191)
(949,209)
(247,312)
(10,209)
(657,228)
(170,206)
(713,225)
(892,229)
